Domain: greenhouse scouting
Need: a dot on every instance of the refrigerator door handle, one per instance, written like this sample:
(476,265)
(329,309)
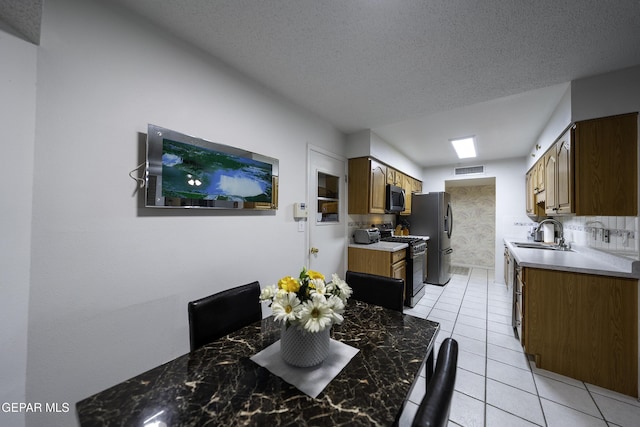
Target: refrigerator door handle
(448,221)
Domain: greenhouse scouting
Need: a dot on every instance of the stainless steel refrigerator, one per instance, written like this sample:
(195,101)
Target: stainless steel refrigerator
(431,215)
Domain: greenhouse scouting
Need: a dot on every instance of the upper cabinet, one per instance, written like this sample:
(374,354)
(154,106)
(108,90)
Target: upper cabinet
(592,169)
(535,190)
(534,209)
(417,186)
(367,183)
(564,169)
(539,177)
(550,161)
(407,186)
(367,186)
(606,166)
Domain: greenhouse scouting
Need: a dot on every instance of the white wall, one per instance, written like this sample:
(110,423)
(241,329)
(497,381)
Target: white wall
(367,143)
(110,281)
(511,219)
(558,122)
(17,119)
(607,94)
(380,149)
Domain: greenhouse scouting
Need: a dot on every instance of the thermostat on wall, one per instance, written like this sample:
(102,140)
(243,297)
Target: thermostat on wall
(300,210)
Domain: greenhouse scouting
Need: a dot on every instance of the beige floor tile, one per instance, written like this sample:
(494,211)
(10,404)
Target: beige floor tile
(495,380)
(510,375)
(514,401)
(466,411)
(558,415)
(499,418)
(568,395)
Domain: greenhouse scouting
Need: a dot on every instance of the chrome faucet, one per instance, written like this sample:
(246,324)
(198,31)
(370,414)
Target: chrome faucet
(561,243)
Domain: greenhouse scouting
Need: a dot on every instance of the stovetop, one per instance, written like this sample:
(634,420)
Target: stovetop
(401,239)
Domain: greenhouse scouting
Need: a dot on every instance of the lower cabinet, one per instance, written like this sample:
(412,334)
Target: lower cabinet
(382,263)
(582,326)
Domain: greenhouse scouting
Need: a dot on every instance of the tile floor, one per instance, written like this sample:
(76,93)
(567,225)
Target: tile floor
(496,385)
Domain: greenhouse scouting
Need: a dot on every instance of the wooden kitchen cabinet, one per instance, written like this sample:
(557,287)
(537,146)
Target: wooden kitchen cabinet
(397,178)
(564,175)
(394,177)
(407,185)
(592,169)
(550,160)
(367,185)
(558,176)
(368,179)
(382,263)
(531,195)
(399,264)
(583,326)
(417,186)
(606,166)
(539,177)
(534,199)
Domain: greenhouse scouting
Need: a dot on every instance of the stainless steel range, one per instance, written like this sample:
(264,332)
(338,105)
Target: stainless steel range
(416,267)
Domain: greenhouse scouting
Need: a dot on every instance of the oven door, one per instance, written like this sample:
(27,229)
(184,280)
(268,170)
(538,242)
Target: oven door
(416,268)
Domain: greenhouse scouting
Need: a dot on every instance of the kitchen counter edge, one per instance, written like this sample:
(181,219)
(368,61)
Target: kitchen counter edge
(385,246)
(580,260)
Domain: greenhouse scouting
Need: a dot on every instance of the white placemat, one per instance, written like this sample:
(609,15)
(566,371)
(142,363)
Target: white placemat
(312,380)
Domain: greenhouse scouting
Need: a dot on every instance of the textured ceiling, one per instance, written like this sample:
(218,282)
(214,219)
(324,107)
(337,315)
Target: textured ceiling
(22,18)
(417,72)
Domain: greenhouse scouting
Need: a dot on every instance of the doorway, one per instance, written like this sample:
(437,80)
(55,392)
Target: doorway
(474,203)
(327,218)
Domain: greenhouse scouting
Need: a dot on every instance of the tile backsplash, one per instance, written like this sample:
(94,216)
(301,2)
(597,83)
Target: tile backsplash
(590,231)
(365,221)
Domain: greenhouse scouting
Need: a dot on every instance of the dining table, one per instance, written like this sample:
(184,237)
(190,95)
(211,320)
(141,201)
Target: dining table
(220,384)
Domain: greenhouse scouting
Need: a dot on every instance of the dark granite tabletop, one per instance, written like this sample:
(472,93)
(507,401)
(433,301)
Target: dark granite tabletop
(219,385)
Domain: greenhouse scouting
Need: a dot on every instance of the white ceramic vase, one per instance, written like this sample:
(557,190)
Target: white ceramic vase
(303,349)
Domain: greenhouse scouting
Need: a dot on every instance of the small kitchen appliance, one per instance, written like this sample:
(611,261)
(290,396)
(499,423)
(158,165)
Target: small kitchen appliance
(366,236)
(394,199)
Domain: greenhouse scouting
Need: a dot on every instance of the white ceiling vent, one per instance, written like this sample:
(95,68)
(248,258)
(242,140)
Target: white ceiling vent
(469,170)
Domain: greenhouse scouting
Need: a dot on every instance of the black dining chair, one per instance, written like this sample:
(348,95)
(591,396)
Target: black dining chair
(384,291)
(435,406)
(219,314)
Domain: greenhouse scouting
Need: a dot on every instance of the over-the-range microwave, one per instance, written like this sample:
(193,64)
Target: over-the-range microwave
(395,199)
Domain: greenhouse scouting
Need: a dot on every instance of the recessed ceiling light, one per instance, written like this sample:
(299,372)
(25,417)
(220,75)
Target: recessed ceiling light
(465,147)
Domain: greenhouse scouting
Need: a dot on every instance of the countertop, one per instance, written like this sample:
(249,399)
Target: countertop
(380,246)
(386,246)
(219,384)
(579,260)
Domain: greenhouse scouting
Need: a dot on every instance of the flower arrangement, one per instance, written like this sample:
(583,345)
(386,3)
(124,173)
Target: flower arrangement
(308,301)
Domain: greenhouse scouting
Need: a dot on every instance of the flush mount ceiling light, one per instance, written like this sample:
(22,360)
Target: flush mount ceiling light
(465,147)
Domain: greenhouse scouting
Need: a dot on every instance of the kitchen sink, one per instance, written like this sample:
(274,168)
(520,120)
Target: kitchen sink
(535,245)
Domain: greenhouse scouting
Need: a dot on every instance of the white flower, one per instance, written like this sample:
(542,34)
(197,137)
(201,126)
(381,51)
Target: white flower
(331,288)
(280,294)
(286,306)
(268,293)
(344,289)
(318,287)
(337,308)
(308,302)
(316,315)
